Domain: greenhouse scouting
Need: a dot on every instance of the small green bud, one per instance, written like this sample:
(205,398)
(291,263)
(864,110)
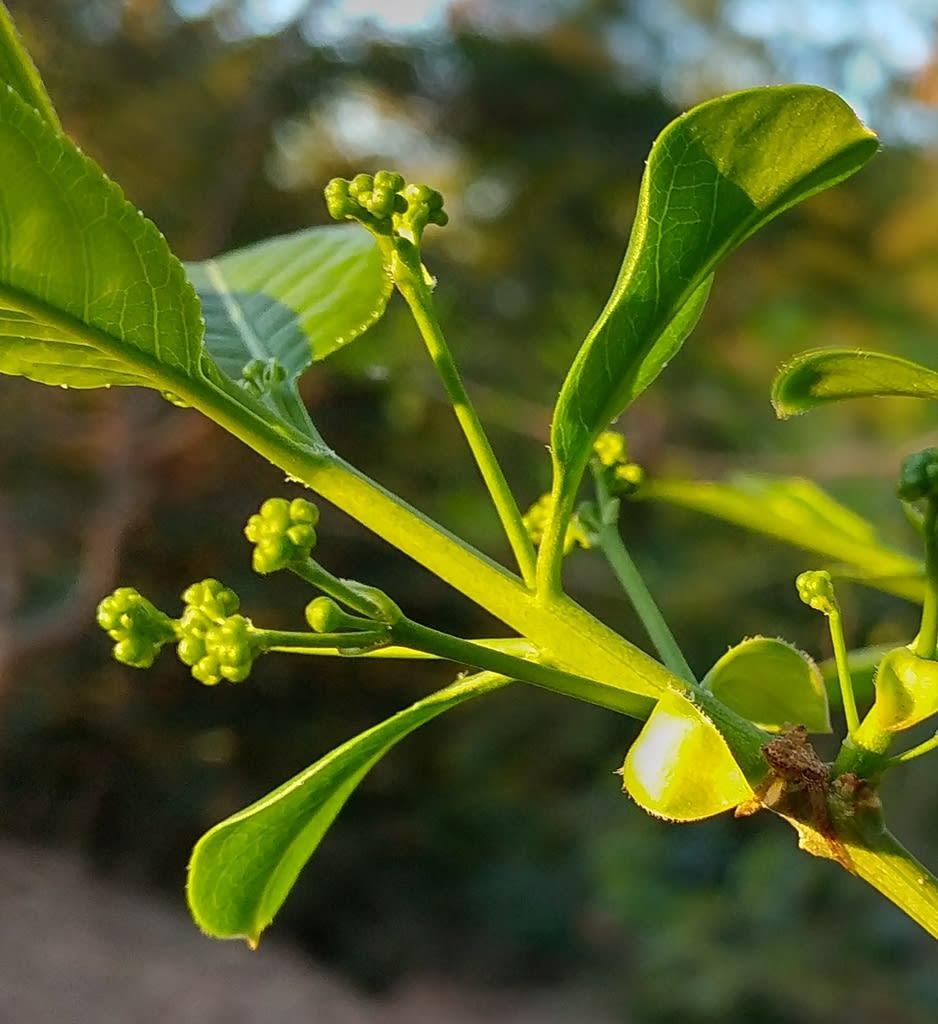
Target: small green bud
(210,598)
(138,627)
(627,478)
(918,477)
(262,376)
(385,205)
(816,589)
(535,523)
(611,451)
(611,448)
(282,532)
(324,616)
(226,650)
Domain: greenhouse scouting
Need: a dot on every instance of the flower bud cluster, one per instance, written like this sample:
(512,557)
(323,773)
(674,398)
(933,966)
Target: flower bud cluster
(282,532)
(137,627)
(385,205)
(214,641)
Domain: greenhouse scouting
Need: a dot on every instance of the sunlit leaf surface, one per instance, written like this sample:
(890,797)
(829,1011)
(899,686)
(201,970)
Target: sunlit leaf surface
(296,298)
(242,870)
(90,293)
(680,767)
(714,176)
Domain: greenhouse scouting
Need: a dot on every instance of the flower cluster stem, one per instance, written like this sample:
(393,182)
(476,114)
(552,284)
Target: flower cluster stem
(409,277)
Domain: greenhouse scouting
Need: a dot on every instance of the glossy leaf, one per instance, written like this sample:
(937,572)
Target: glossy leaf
(906,690)
(243,869)
(772,684)
(296,298)
(680,767)
(713,178)
(833,374)
(798,512)
(19,72)
(90,294)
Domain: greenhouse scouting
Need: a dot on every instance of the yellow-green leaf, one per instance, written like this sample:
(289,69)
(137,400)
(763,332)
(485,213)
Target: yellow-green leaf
(680,767)
(772,684)
(833,374)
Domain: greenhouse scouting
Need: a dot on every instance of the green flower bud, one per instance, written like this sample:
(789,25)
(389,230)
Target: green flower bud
(611,448)
(138,627)
(918,477)
(816,589)
(210,598)
(385,205)
(282,532)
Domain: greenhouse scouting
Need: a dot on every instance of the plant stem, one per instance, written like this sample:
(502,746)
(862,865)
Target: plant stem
(884,863)
(836,625)
(550,553)
(927,642)
(925,747)
(626,572)
(293,641)
(408,633)
(409,277)
(632,582)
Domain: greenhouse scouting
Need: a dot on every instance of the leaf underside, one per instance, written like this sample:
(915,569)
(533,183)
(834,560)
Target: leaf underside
(834,374)
(296,298)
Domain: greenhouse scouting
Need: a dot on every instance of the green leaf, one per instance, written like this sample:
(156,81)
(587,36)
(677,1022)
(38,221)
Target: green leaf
(19,72)
(833,374)
(714,177)
(90,294)
(772,684)
(906,690)
(296,298)
(797,511)
(680,767)
(243,869)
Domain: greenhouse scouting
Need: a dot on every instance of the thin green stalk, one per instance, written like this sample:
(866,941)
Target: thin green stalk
(408,275)
(293,642)
(835,622)
(925,747)
(408,633)
(632,582)
(927,642)
(626,572)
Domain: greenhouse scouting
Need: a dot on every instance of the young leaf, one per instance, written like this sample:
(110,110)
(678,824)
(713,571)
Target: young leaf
(19,72)
(798,512)
(296,298)
(90,294)
(714,177)
(243,869)
(833,374)
(906,690)
(772,684)
(680,767)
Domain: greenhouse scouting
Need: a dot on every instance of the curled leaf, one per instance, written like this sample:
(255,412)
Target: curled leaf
(906,690)
(772,684)
(833,374)
(680,767)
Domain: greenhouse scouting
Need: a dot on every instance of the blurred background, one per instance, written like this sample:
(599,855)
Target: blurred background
(493,849)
